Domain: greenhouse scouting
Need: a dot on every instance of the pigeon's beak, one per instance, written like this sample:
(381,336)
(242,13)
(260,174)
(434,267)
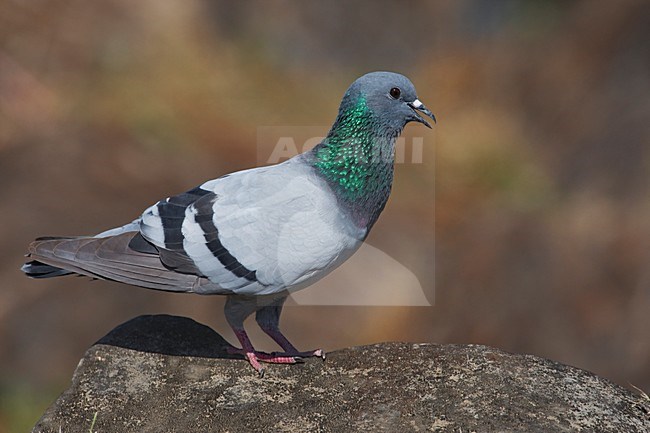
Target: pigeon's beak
(419,106)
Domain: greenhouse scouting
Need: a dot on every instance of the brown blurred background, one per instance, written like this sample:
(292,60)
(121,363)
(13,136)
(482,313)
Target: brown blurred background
(540,165)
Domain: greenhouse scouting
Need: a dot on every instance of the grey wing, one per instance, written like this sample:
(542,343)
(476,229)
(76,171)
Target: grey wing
(183,230)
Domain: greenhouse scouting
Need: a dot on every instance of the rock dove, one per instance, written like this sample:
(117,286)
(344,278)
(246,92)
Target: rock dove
(259,234)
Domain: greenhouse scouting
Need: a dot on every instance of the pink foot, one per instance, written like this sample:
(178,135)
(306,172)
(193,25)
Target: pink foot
(255,357)
(290,355)
(318,353)
(271,358)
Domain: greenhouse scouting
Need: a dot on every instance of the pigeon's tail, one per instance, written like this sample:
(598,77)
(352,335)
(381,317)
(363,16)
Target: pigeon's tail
(108,258)
(37,269)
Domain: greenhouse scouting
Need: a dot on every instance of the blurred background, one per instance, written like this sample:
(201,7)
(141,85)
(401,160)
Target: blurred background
(527,224)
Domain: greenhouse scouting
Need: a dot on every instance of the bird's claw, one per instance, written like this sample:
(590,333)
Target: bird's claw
(255,357)
(293,357)
(320,353)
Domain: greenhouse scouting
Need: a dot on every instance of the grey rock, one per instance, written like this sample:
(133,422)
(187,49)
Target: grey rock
(171,374)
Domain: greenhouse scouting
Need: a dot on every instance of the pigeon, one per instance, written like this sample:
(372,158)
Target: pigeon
(259,234)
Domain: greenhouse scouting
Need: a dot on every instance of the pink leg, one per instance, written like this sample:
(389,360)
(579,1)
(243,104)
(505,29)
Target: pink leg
(248,351)
(268,318)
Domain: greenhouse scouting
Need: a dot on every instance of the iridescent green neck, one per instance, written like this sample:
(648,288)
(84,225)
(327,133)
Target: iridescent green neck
(356,159)
(356,156)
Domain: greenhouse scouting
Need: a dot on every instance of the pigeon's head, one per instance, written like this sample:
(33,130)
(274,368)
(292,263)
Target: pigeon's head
(390,97)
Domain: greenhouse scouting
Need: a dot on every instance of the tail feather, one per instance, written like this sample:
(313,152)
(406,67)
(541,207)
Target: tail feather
(109,258)
(37,269)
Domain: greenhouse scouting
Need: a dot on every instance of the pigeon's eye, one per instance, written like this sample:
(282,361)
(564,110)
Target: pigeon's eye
(395,92)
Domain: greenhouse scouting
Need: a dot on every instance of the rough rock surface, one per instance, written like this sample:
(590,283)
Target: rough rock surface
(171,374)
